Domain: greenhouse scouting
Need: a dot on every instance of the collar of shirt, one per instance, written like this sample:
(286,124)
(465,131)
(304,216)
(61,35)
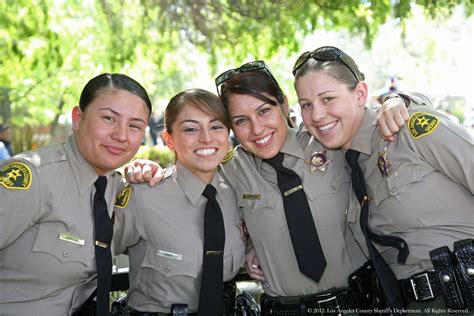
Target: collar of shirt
(291,147)
(362,141)
(84,174)
(192,186)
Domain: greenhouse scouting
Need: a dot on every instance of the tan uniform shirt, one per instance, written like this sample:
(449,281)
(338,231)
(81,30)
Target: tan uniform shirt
(328,196)
(427,198)
(47,262)
(163,228)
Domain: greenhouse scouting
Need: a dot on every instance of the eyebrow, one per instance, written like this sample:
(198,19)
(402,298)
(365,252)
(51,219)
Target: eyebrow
(118,114)
(318,95)
(258,108)
(196,122)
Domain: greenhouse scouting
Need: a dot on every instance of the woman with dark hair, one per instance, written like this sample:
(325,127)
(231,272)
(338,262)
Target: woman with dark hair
(294,194)
(412,198)
(183,237)
(296,213)
(298,229)
(57,201)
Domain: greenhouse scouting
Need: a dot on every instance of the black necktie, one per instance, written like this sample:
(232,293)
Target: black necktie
(387,278)
(212,284)
(103,237)
(304,237)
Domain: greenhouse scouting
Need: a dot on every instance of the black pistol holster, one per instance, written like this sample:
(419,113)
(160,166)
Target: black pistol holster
(455,273)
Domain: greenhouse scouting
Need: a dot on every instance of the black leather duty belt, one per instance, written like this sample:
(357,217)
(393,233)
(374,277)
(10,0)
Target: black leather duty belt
(319,304)
(421,287)
(452,277)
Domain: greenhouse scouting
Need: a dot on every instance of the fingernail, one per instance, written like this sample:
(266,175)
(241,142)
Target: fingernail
(254,266)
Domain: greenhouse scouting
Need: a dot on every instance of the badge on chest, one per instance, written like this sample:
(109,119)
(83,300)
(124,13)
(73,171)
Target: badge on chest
(318,161)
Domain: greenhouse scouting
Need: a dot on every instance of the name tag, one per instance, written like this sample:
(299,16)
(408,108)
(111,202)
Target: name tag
(249,196)
(290,191)
(70,238)
(214,253)
(167,254)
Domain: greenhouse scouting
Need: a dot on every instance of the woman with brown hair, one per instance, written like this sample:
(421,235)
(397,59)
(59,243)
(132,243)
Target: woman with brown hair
(183,237)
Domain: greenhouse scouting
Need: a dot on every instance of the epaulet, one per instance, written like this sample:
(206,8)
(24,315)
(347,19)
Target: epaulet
(121,200)
(15,175)
(48,154)
(422,123)
(228,156)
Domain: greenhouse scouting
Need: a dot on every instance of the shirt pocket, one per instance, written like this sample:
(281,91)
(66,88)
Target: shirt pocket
(395,183)
(55,263)
(264,216)
(233,261)
(319,184)
(48,241)
(397,207)
(328,196)
(165,271)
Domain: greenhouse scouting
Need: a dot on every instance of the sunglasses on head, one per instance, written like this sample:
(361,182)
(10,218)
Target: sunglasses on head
(327,53)
(250,66)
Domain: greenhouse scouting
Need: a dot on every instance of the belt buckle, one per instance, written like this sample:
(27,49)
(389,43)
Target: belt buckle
(414,287)
(323,303)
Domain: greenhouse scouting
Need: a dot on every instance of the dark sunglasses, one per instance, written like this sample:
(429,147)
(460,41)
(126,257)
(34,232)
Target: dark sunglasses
(250,66)
(327,53)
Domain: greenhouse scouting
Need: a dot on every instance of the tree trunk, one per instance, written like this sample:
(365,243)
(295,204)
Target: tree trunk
(55,123)
(5,107)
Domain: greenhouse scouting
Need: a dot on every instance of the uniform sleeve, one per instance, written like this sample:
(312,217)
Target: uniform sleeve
(228,169)
(416,99)
(20,199)
(444,144)
(126,224)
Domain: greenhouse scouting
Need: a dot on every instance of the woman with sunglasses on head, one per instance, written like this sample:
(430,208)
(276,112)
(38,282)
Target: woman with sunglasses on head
(57,201)
(412,197)
(184,236)
(294,195)
(259,118)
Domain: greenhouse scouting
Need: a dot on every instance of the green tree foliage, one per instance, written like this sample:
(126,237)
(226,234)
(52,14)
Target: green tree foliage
(48,48)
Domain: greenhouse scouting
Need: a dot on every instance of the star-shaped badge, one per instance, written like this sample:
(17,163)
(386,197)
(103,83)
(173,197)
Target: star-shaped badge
(384,164)
(318,161)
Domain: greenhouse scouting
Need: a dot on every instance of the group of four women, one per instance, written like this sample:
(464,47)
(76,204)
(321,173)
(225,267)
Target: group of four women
(291,189)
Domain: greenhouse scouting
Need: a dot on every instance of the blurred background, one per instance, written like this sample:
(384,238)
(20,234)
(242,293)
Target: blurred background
(49,49)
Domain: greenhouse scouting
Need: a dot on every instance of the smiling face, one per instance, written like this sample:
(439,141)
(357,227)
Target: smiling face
(260,127)
(200,141)
(331,112)
(110,130)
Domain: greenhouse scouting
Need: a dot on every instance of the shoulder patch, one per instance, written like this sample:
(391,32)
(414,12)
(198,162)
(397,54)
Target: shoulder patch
(121,200)
(422,124)
(16,176)
(228,156)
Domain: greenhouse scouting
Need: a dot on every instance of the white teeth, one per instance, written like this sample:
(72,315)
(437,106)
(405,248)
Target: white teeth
(205,151)
(327,126)
(263,140)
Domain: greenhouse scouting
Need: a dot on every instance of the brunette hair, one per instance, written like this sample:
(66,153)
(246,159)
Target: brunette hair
(112,81)
(257,83)
(336,68)
(200,99)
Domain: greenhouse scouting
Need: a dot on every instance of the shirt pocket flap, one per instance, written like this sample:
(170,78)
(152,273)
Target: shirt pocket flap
(64,246)
(324,183)
(396,182)
(171,262)
(256,201)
